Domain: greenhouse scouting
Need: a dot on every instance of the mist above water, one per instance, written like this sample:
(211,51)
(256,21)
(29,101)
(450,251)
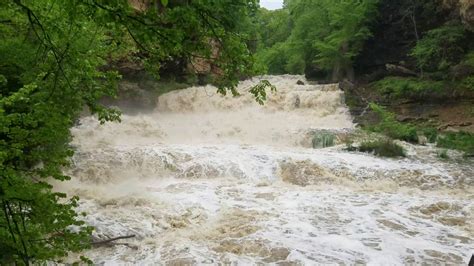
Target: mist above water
(207,178)
(199,115)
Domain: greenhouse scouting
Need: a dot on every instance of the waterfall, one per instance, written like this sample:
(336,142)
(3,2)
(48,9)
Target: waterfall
(207,179)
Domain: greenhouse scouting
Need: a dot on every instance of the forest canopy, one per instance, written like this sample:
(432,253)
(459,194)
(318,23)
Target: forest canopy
(336,40)
(310,34)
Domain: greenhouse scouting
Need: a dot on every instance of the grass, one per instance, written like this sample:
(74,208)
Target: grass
(390,127)
(398,87)
(462,141)
(384,148)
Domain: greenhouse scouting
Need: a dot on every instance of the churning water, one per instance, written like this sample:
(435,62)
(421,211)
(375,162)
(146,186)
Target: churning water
(207,179)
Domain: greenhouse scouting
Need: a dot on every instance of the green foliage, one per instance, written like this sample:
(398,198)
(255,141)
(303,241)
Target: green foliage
(439,48)
(469,59)
(348,20)
(55,58)
(430,133)
(389,125)
(274,59)
(325,34)
(259,91)
(463,141)
(443,154)
(384,148)
(468,83)
(397,87)
(273,26)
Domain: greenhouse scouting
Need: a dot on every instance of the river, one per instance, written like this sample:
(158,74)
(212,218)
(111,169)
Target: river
(205,179)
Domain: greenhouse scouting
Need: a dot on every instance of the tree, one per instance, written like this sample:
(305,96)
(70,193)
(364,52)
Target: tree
(322,34)
(56,58)
(348,31)
(440,48)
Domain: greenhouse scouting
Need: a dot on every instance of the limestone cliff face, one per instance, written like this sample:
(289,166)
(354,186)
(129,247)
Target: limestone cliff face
(465,9)
(139,5)
(467,12)
(206,65)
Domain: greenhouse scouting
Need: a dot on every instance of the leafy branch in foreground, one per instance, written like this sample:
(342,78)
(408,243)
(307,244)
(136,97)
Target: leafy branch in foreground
(56,58)
(259,91)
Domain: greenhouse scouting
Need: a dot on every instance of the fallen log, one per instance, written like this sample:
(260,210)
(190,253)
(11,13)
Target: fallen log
(397,70)
(107,241)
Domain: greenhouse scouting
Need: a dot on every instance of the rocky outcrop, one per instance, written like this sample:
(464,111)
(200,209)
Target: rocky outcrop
(446,112)
(139,5)
(206,65)
(465,9)
(467,12)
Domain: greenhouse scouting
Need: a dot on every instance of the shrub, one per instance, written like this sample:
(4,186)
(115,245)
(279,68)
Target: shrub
(468,83)
(439,48)
(430,133)
(408,87)
(385,148)
(274,59)
(389,125)
(463,141)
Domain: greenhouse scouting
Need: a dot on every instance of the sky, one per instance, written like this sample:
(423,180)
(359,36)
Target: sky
(271,4)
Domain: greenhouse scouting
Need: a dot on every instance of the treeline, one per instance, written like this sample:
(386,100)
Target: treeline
(410,46)
(315,36)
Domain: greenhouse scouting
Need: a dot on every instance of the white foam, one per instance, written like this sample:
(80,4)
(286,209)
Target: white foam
(207,179)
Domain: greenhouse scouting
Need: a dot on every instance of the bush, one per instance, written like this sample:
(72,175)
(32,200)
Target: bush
(407,87)
(274,59)
(430,133)
(468,83)
(463,141)
(439,48)
(389,126)
(385,148)
(443,154)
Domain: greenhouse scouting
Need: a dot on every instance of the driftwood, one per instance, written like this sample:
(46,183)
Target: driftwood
(108,241)
(396,69)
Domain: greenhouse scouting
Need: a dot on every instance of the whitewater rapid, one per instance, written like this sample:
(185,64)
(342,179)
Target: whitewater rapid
(207,179)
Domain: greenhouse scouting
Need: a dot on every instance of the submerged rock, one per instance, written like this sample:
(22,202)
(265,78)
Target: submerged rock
(422,140)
